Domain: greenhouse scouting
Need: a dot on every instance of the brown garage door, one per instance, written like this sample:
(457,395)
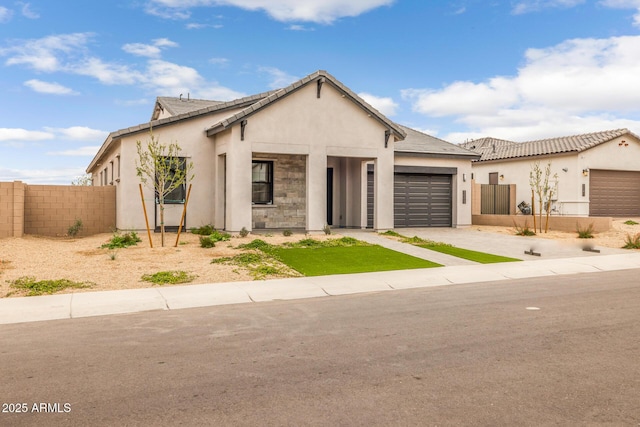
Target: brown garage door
(614,193)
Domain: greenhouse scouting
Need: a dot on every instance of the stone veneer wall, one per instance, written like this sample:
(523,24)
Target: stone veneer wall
(289,193)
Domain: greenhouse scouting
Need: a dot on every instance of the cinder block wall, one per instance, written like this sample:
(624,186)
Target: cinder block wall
(49,210)
(12,209)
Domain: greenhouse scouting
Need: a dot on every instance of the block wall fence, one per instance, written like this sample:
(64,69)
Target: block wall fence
(49,210)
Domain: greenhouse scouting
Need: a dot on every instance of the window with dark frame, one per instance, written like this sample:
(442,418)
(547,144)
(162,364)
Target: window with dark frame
(262,182)
(178,194)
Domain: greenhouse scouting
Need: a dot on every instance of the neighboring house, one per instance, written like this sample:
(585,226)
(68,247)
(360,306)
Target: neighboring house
(598,174)
(311,154)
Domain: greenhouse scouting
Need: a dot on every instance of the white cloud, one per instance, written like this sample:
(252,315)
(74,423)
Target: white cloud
(298,27)
(385,105)
(149,50)
(88,151)
(279,78)
(16,134)
(319,11)
(528,6)
(43,54)
(5,14)
(28,13)
(41,176)
(219,61)
(625,4)
(70,54)
(49,88)
(141,49)
(576,86)
(79,133)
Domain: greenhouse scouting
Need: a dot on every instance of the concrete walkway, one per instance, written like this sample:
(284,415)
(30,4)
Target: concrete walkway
(85,304)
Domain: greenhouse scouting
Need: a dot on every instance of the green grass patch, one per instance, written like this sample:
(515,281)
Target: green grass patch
(479,257)
(32,287)
(324,260)
(168,277)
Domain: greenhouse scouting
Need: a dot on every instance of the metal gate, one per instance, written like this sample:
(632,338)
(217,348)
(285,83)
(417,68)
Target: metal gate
(494,199)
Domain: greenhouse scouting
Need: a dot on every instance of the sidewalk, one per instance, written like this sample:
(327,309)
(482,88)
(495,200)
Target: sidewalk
(86,304)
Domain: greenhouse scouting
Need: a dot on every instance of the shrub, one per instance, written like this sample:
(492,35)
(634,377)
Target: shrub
(207,242)
(168,277)
(392,233)
(585,233)
(33,287)
(287,233)
(255,244)
(630,222)
(244,232)
(75,228)
(524,230)
(326,229)
(122,240)
(205,230)
(215,236)
(632,242)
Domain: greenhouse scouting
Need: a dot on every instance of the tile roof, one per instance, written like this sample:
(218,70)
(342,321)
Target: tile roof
(410,141)
(497,149)
(177,106)
(417,142)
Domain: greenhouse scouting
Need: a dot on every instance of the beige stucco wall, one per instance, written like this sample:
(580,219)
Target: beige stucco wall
(322,128)
(611,155)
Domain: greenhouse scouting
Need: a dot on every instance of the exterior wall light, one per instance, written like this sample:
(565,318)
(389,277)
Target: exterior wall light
(585,172)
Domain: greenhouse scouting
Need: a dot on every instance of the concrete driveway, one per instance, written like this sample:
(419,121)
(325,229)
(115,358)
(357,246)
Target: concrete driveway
(483,241)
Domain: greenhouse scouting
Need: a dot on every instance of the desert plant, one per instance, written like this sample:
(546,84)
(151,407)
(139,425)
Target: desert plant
(207,242)
(243,232)
(630,222)
(75,228)
(168,277)
(205,230)
(255,244)
(112,254)
(585,232)
(524,230)
(122,240)
(326,229)
(34,287)
(632,242)
(391,233)
(287,233)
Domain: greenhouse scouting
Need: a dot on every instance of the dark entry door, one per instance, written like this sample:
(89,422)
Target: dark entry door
(329,196)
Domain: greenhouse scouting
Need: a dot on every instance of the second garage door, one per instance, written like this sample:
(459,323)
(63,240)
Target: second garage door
(614,193)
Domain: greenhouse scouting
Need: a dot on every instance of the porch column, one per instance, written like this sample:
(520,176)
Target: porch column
(238,180)
(316,189)
(383,192)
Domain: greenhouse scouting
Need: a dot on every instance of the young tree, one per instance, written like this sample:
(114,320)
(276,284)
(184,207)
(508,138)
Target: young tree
(84,179)
(161,168)
(539,182)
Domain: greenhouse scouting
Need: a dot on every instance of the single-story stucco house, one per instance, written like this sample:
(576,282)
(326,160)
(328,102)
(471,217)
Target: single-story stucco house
(311,154)
(598,174)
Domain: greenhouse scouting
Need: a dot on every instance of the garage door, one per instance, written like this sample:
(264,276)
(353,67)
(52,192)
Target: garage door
(420,200)
(614,193)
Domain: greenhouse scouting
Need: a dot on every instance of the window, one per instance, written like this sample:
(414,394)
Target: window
(262,182)
(177,195)
(112,176)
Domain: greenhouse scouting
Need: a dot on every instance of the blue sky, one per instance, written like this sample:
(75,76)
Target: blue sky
(72,71)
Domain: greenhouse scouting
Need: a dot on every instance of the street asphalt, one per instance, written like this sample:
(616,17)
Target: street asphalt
(554,259)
